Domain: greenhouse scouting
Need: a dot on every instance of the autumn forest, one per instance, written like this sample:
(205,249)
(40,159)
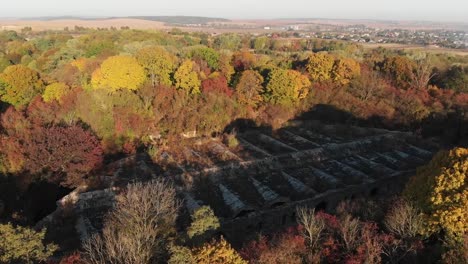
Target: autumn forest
(76,102)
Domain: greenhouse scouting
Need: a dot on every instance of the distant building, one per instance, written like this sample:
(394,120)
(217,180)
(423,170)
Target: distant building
(293,27)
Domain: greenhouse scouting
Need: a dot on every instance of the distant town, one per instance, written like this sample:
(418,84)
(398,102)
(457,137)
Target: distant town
(454,39)
(421,33)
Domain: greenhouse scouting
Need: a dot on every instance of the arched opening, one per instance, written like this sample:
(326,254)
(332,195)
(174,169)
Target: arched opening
(277,204)
(293,217)
(40,199)
(243,213)
(374,192)
(259,226)
(283,219)
(322,206)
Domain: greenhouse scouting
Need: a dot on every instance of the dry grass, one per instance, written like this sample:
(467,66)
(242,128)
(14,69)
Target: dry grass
(38,25)
(431,49)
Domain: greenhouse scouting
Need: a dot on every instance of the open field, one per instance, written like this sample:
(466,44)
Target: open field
(134,23)
(432,49)
(39,25)
(234,25)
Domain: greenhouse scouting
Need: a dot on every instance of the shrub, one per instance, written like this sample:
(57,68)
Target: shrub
(21,244)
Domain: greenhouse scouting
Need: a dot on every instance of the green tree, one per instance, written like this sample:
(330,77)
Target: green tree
(187,79)
(95,108)
(158,64)
(203,220)
(209,55)
(228,41)
(286,87)
(4,62)
(110,115)
(440,190)
(261,43)
(21,244)
(320,66)
(456,78)
(119,72)
(97,44)
(19,84)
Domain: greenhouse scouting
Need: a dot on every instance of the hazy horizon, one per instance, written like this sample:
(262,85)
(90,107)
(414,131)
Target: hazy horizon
(416,10)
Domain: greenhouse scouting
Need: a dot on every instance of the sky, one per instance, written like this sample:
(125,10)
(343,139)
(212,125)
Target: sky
(431,10)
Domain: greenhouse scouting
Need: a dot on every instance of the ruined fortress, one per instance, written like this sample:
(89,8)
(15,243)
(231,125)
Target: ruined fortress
(257,184)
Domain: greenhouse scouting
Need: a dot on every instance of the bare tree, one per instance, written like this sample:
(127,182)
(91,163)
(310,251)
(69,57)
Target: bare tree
(313,227)
(421,74)
(367,86)
(137,229)
(404,220)
(95,251)
(349,232)
(371,244)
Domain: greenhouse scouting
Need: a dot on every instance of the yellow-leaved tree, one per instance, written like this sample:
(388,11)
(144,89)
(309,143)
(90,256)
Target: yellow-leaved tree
(319,66)
(19,84)
(217,252)
(286,87)
(55,91)
(440,190)
(119,72)
(158,63)
(187,79)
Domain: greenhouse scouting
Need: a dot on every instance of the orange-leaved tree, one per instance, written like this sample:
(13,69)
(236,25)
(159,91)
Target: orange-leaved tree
(249,89)
(345,69)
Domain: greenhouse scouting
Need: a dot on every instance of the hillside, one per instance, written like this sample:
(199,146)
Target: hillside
(181,19)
